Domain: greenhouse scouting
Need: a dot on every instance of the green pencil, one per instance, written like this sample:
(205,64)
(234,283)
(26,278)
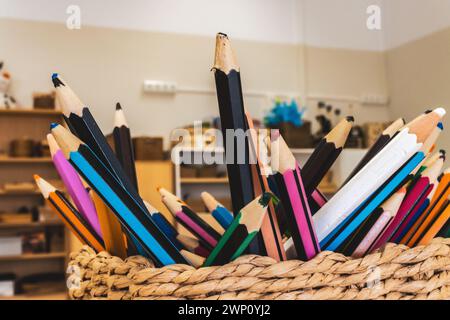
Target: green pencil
(241,232)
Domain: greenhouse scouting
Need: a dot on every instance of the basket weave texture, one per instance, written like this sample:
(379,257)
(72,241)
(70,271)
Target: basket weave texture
(393,272)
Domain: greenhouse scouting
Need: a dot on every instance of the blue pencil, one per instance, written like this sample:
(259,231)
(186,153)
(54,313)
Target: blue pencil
(129,211)
(222,215)
(375,200)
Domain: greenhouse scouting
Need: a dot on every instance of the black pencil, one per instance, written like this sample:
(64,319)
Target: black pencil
(124,146)
(379,144)
(232,116)
(325,154)
(128,210)
(82,124)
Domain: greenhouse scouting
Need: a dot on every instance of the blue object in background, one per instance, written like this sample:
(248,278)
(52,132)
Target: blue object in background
(284,112)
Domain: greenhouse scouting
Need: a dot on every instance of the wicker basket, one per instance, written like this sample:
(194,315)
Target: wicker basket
(394,272)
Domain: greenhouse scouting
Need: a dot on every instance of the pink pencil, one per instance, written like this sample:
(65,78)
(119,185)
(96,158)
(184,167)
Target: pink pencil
(389,210)
(429,177)
(74,185)
(413,200)
(294,199)
(190,220)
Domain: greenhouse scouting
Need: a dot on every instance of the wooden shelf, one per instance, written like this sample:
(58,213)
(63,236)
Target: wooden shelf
(25,160)
(7,225)
(204,180)
(30,112)
(35,256)
(19,193)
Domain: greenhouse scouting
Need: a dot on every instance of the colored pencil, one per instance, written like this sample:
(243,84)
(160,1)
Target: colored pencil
(387,211)
(418,217)
(163,224)
(435,226)
(444,180)
(238,236)
(440,196)
(429,180)
(69,215)
(113,237)
(379,144)
(193,245)
(74,186)
(217,210)
(229,95)
(445,230)
(270,229)
(128,210)
(123,145)
(325,154)
(294,199)
(413,201)
(83,125)
(400,150)
(191,221)
(196,260)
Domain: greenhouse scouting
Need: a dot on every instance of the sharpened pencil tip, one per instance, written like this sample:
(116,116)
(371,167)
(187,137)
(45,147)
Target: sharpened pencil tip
(440,111)
(428,111)
(402,190)
(350,119)
(440,126)
(404,121)
(265,199)
(222,34)
(57,81)
(36,177)
(53,125)
(118,106)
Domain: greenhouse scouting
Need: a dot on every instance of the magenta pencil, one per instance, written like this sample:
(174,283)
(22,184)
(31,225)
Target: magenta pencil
(388,211)
(74,186)
(414,199)
(428,179)
(293,196)
(207,235)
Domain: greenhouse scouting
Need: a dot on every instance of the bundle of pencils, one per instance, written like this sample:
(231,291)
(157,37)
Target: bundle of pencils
(396,193)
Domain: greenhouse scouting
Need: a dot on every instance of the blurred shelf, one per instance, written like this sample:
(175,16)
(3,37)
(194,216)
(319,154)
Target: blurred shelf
(35,256)
(30,112)
(203,180)
(4,193)
(21,225)
(25,160)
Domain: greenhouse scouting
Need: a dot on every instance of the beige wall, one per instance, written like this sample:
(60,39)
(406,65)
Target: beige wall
(108,65)
(419,78)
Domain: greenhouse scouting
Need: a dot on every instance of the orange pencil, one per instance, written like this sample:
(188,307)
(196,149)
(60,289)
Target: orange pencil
(439,198)
(441,218)
(69,215)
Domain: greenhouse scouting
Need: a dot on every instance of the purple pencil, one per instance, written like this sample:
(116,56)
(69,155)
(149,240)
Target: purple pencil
(74,186)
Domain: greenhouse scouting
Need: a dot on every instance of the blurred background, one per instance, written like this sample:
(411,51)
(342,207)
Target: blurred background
(373,59)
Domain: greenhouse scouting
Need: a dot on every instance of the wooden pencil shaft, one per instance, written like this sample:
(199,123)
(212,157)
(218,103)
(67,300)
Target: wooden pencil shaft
(98,175)
(436,224)
(111,228)
(348,247)
(68,213)
(87,130)
(429,215)
(376,199)
(125,152)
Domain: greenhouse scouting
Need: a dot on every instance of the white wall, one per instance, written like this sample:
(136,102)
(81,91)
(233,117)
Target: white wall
(409,20)
(324,23)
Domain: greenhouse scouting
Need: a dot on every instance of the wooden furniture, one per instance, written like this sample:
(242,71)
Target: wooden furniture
(33,124)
